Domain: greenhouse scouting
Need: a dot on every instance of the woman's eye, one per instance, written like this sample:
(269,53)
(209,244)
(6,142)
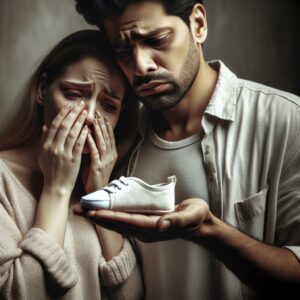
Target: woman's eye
(73,95)
(109,107)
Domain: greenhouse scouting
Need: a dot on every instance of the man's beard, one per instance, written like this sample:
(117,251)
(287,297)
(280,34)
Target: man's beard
(178,87)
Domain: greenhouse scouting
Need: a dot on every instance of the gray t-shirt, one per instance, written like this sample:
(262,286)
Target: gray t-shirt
(157,160)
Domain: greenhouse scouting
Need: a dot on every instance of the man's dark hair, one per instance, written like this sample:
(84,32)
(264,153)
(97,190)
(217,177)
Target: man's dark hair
(94,11)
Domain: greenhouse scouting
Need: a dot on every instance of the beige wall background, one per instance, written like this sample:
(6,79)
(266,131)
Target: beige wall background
(257,39)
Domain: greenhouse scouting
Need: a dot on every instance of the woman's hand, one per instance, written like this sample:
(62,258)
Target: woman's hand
(103,154)
(59,159)
(61,149)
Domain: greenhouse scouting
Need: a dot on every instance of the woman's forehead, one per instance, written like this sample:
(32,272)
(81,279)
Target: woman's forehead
(94,71)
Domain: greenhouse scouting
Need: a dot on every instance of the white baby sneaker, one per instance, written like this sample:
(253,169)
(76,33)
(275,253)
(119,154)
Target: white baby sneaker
(132,194)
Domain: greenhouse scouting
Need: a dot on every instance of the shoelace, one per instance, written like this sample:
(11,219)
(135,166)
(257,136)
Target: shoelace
(116,185)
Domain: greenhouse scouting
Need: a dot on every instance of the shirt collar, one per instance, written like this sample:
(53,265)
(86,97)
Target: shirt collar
(222,103)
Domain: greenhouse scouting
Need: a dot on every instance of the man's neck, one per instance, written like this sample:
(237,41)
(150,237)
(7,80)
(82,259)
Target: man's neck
(185,118)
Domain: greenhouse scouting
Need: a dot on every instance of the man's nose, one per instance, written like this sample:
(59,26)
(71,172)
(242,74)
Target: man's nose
(90,107)
(144,62)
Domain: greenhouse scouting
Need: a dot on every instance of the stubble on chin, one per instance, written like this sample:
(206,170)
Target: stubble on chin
(181,85)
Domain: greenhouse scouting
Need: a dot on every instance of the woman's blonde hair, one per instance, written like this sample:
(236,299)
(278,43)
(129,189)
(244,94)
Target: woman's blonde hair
(26,118)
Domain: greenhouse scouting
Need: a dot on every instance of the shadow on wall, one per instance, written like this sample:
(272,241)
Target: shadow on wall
(258,39)
(29,29)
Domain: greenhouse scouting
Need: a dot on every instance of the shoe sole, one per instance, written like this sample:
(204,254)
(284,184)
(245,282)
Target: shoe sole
(91,206)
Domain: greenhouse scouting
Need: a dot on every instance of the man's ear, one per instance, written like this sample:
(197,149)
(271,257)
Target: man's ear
(41,90)
(198,23)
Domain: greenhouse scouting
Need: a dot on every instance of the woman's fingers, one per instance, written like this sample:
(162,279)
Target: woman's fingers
(55,125)
(93,150)
(78,147)
(111,135)
(44,134)
(101,141)
(75,131)
(67,124)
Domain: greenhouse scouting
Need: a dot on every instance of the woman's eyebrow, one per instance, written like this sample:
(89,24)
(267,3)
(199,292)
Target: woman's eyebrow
(76,84)
(89,86)
(107,91)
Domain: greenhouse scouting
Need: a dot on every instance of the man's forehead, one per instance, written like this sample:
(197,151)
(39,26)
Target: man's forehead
(141,17)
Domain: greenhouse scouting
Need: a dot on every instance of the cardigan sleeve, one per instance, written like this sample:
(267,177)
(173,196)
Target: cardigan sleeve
(32,253)
(51,255)
(122,276)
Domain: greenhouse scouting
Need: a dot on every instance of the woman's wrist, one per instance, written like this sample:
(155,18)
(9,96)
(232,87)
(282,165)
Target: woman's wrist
(52,212)
(56,192)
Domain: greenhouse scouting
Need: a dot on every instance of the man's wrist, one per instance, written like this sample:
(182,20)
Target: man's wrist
(210,231)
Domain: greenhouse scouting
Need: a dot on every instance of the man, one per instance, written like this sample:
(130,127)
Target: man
(234,146)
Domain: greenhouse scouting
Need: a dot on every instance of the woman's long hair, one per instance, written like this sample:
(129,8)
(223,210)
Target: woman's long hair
(25,119)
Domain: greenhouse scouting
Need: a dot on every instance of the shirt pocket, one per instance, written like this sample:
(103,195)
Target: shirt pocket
(250,214)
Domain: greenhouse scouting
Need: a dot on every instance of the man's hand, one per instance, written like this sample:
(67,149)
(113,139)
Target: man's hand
(188,221)
(263,267)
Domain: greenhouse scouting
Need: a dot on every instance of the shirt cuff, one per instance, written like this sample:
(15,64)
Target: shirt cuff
(295,250)
(39,244)
(119,268)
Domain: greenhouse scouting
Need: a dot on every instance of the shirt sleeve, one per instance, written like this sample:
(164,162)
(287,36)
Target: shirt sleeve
(288,214)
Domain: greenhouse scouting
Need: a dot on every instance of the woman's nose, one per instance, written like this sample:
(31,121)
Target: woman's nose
(90,107)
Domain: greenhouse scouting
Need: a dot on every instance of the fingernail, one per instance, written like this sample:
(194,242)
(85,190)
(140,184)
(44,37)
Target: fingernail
(81,103)
(166,224)
(91,213)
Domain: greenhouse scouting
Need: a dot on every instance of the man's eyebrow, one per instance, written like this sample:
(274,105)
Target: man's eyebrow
(150,34)
(141,36)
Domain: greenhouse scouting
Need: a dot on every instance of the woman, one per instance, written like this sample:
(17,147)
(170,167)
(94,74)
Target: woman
(59,145)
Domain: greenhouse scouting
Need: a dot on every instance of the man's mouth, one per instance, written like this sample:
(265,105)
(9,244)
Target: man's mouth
(152,87)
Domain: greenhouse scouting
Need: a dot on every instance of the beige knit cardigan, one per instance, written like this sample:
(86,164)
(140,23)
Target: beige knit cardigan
(34,267)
